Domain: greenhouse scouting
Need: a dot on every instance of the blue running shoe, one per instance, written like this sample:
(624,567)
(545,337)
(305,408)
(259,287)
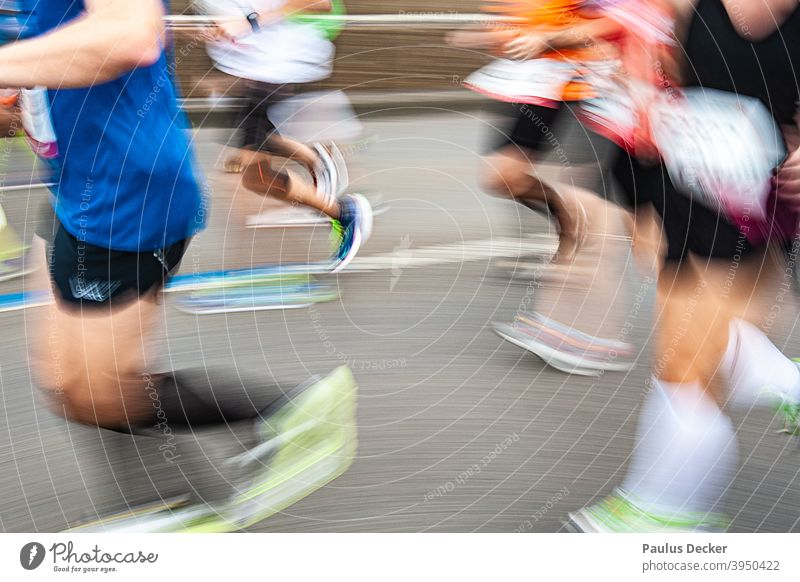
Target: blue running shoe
(354,228)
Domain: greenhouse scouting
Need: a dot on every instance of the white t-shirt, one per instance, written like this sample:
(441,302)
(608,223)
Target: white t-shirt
(284,52)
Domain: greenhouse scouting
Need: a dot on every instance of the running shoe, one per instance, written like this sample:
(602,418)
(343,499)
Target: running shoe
(565,348)
(790,413)
(352,230)
(326,174)
(619,513)
(334,165)
(306,442)
(788,410)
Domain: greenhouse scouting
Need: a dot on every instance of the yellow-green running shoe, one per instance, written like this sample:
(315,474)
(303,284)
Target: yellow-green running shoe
(309,441)
(619,513)
(306,440)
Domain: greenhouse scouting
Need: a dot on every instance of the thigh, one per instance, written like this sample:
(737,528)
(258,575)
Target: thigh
(691,327)
(698,298)
(89,350)
(85,360)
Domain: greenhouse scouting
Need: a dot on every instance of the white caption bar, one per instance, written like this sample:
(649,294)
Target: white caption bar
(400,557)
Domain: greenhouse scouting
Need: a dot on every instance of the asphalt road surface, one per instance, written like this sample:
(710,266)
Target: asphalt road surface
(440,394)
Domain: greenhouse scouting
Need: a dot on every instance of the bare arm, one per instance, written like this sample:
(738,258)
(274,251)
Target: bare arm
(479,38)
(110,39)
(293,7)
(757,19)
(307,6)
(233,29)
(584,34)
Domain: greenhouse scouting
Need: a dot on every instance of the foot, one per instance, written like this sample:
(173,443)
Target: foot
(306,440)
(573,223)
(619,514)
(566,349)
(353,229)
(572,235)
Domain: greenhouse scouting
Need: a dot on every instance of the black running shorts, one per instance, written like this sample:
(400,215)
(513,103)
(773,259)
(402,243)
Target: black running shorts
(92,276)
(533,127)
(688,225)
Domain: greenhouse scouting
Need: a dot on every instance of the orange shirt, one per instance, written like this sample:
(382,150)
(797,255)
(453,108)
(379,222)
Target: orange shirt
(545,16)
(539,11)
(549,16)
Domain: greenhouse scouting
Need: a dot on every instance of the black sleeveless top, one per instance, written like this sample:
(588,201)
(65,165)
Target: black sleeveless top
(719,58)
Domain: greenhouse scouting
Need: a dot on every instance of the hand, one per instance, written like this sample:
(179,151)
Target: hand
(462,38)
(230,30)
(527,47)
(787,181)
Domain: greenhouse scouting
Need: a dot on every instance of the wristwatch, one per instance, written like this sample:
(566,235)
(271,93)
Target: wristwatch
(252,18)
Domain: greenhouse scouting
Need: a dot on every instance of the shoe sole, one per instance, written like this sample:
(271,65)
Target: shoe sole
(566,363)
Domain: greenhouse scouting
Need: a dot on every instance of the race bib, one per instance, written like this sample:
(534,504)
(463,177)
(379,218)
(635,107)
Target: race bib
(537,82)
(38,122)
(615,111)
(720,148)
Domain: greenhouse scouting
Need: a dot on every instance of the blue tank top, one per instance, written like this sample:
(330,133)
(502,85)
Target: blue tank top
(125,175)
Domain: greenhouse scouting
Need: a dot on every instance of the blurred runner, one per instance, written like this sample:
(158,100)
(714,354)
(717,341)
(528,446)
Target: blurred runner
(265,45)
(724,270)
(125,214)
(551,62)
(12,249)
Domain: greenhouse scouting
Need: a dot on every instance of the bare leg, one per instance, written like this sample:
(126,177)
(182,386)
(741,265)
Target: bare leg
(512,175)
(92,364)
(592,293)
(290,149)
(263,176)
(698,299)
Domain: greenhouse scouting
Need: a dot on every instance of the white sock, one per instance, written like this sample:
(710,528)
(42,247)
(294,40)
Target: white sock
(756,370)
(685,451)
